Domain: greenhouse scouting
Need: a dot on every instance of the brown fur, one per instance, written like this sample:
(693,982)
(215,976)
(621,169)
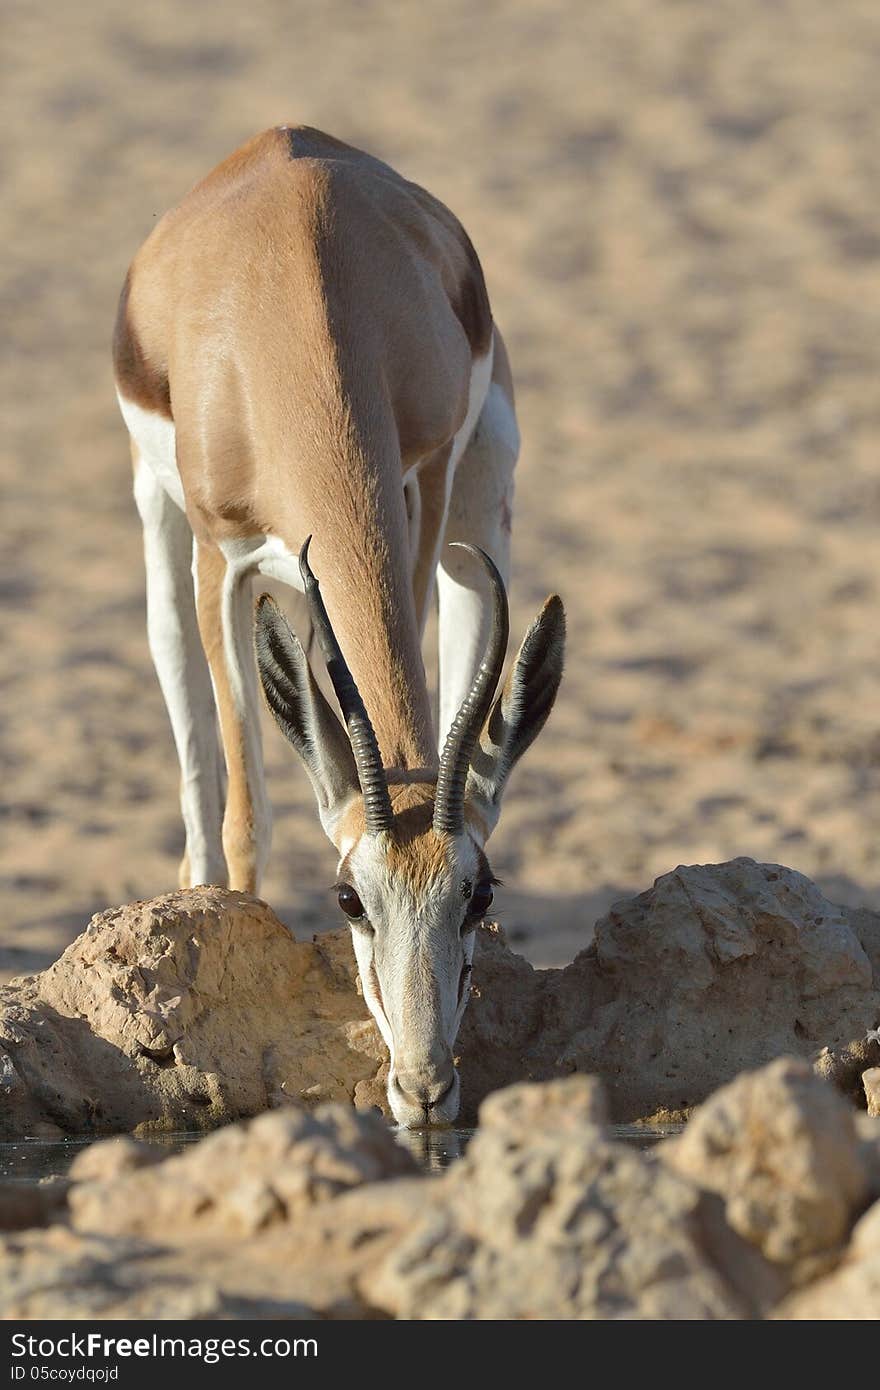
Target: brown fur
(415,853)
(315,316)
(136,378)
(413,806)
(470,301)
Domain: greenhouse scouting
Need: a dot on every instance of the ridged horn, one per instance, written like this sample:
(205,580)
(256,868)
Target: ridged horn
(468,723)
(378,813)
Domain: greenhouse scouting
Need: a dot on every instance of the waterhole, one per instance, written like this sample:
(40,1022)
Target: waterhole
(31,1161)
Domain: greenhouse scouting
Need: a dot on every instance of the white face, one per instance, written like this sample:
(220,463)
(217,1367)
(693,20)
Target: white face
(413,910)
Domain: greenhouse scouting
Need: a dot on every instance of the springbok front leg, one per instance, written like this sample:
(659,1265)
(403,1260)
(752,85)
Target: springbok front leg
(480,513)
(225,614)
(184,679)
(432,499)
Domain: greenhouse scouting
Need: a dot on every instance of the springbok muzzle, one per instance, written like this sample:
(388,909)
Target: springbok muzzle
(425,1094)
(426,1086)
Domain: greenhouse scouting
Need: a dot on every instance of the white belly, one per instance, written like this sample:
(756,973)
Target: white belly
(156,441)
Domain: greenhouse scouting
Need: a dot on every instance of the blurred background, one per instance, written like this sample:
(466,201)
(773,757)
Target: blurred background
(676,208)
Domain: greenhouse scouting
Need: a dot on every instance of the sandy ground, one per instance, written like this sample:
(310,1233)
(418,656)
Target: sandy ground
(675,204)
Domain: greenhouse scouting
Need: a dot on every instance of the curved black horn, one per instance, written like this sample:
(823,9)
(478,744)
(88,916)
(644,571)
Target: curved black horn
(468,723)
(378,813)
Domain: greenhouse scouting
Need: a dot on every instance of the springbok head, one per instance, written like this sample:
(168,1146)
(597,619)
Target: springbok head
(414,880)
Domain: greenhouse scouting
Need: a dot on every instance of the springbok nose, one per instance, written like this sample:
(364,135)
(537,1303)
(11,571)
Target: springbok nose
(427,1087)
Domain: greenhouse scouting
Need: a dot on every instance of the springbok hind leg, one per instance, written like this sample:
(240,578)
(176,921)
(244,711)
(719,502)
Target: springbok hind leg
(177,654)
(480,512)
(225,612)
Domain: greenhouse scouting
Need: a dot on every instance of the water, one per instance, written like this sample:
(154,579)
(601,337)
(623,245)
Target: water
(436,1149)
(644,1136)
(31,1161)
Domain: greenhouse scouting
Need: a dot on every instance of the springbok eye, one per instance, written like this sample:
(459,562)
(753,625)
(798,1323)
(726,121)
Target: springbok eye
(350,902)
(481,900)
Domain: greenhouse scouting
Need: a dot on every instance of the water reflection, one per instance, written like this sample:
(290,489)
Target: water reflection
(644,1136)
(435,1149)
(30,1161)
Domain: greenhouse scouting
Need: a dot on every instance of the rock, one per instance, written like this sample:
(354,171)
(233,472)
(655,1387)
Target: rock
(182,1013)
(545,1218)
(114,1158)
(240,1180)
(780,1148)
(252,1222)
(22,1207)
(316,1266)
(502,1036)
(871,1083)
(868,1130)
(59,1274)
(852,1292)
(663,1118)
(524,1109)
(199,1008)
(844,1066)
(301,1214)
(715,970)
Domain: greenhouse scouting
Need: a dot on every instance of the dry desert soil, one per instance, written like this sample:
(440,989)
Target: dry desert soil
(676,208)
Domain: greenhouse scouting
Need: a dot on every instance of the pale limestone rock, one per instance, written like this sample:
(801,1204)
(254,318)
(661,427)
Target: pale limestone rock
(300,1214)
(113,1158)
(61,1274)
(852,1292)
(252,1222)
(717,969)
(524,1109)
(182,1013)
(544,1218)
(871,1083)
(844,1066)
(243,1178)
(780,1148)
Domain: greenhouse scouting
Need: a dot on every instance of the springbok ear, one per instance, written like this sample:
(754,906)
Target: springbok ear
(302,713)
(520,711)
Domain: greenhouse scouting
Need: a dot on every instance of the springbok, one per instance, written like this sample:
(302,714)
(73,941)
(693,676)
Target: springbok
(304,348)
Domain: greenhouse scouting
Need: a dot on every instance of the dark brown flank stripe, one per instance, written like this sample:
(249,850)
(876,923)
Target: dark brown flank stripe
(137,380)
(470,303)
